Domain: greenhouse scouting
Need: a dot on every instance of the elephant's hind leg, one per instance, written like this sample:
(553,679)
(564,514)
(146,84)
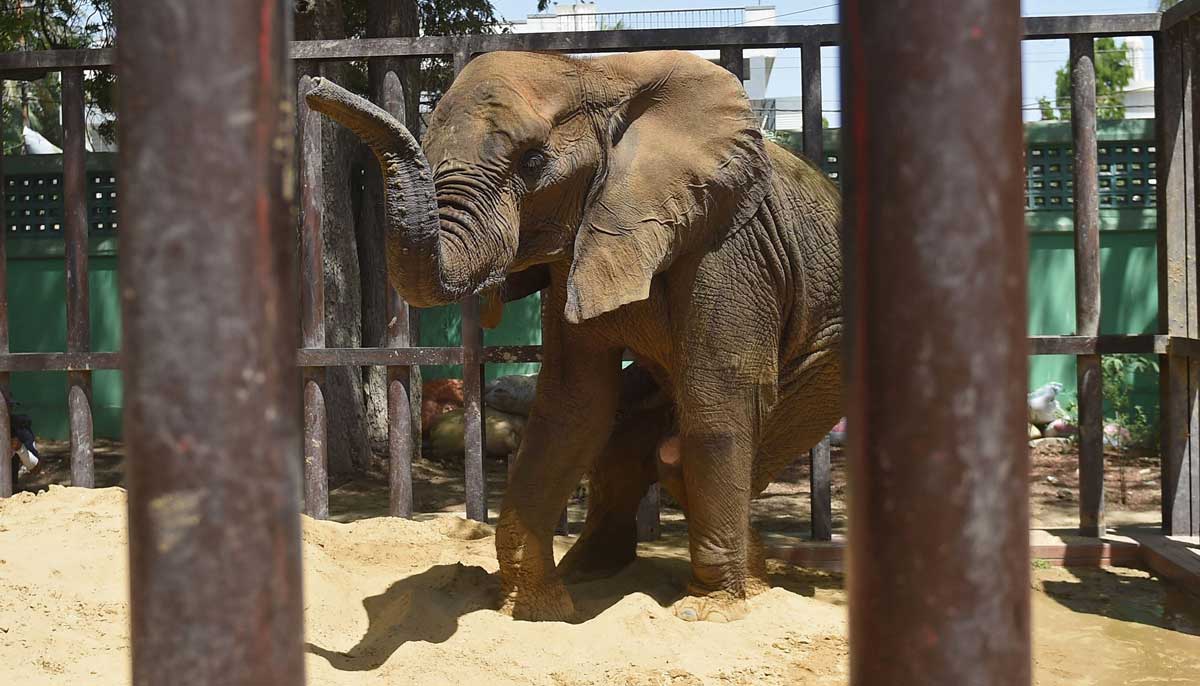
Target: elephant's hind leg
(616,485)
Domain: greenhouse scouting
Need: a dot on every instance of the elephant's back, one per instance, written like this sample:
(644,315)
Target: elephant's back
(806,211)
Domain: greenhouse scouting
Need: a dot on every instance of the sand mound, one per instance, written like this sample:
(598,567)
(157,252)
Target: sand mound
(405,602)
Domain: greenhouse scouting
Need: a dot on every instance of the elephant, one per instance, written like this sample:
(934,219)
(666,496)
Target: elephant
(639,191)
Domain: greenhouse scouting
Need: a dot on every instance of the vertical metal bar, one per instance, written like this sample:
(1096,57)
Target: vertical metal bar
(6,476)
(472,347)
(649,525)
(820,492)
(75,223)
(811,102)
(1175,112)
(312,306)
(210,309)
(731,60)
(937,252)
(1087,284)
(397,335)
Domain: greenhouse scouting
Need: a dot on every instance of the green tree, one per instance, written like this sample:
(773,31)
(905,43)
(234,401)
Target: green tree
(50,25)
(1047,108)
(1113,73)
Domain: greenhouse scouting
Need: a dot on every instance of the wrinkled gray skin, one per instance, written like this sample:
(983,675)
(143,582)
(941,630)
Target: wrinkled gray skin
(638,189)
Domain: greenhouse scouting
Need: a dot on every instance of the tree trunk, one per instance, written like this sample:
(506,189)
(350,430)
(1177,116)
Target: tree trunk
(347,443)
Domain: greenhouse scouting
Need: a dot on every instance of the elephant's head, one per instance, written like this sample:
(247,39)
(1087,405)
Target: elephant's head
(618,164)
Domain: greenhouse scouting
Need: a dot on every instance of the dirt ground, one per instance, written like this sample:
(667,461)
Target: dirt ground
(393,601)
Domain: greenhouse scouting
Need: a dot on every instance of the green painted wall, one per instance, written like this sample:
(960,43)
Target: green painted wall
(38,323)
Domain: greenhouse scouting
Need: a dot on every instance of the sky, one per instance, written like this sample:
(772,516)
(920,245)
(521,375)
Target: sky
(1040,59)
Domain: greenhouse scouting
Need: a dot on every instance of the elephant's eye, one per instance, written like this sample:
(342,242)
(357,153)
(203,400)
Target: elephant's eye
(532,162)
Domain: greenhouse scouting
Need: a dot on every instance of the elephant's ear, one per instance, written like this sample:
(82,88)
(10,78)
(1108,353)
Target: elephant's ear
(685,165)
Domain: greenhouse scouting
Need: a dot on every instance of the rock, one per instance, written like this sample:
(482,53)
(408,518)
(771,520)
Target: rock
(439,397)
(1065,494)
(513,394)
(1060,428)
(1043,404)
(502,433)
(1034,432)
(1053,480)
(1051,444)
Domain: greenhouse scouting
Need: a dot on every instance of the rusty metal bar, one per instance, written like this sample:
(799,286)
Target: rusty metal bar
(312,305)
(820,497)
(1176,141)
(936,307)
(210,311)
(1087,284)
(401,438)
(811,102)
(731,60)
(75,225)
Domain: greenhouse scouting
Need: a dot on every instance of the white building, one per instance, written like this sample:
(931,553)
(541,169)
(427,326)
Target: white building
(1139,94)
(586,16)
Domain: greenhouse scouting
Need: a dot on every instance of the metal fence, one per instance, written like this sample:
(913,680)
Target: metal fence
(219,540)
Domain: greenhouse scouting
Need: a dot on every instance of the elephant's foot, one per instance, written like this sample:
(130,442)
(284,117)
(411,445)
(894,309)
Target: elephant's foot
(719,606)
(599,554)
(547,602)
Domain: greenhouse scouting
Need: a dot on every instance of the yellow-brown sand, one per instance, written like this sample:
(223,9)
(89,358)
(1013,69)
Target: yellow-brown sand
(389,601)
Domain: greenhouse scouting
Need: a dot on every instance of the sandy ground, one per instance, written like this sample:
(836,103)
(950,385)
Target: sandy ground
(391,601)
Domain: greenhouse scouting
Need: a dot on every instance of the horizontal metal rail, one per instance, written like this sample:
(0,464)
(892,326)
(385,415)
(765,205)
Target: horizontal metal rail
(28,64)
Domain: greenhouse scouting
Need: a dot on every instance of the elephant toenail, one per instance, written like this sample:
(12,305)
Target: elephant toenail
(688,614)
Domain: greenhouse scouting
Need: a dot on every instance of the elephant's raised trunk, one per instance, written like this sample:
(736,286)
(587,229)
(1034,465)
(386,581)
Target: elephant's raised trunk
(421,266)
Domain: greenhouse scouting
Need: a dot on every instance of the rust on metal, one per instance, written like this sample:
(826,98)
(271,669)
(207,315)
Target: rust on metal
(210,310)
(935,239)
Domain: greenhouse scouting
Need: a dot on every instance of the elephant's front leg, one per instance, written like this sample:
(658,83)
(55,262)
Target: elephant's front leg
(568,427)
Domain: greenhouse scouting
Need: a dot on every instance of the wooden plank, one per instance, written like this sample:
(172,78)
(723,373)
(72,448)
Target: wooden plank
(1176,559)
(316,448)
(1094,345)
(45,362)
(75,225)
(731,60)
(1087,187)
(16,64)
(1094,25)
(811,102)
(820,483)
(1091,445)
(403,440)
(1176,15)
(384,357)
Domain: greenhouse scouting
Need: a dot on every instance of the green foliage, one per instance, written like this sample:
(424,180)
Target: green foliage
(1113,73)
(51,25)
(1047,108)
(1118,372)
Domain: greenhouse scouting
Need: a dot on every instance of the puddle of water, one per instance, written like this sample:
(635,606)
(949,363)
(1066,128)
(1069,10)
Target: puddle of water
(1113,627)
